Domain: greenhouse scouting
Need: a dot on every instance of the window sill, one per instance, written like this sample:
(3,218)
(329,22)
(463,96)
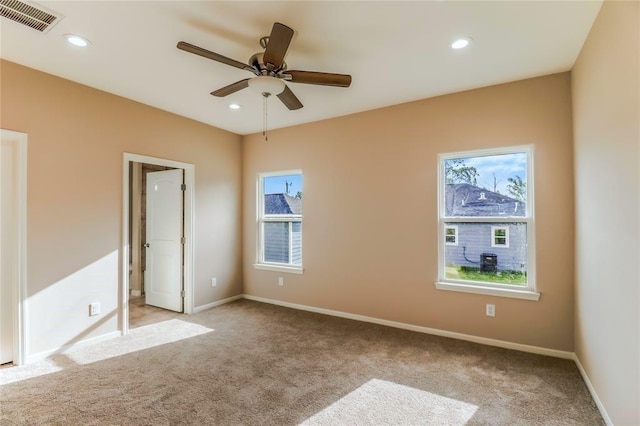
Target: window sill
(500,292)
(279,268)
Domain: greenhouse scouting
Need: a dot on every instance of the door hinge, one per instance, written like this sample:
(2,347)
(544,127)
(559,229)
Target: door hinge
(183,187)
(183,240)
(182,294)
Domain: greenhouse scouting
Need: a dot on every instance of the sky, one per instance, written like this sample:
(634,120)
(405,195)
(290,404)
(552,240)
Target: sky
(276,184)
(504,166)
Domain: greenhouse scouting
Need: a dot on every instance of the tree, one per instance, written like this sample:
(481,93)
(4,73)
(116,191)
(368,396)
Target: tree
(299,195)
(517,188)
(456,171)
(495,184)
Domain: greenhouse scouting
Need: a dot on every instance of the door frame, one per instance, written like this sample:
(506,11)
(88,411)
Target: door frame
(189,267)
(19,141)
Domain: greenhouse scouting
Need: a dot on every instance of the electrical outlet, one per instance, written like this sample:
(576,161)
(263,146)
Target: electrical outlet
(94,309)
(280,281)
(214,282)
(491,310)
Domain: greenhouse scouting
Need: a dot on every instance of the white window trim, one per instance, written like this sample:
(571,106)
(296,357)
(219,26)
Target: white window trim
(506,236)
(261,218)
(501,290)
(489,291)
(455,235)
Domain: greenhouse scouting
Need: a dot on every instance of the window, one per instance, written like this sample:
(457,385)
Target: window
(500,236)
(486,227)
(280,221)
(451,235)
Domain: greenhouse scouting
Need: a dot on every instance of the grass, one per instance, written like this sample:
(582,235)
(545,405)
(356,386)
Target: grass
(500,277)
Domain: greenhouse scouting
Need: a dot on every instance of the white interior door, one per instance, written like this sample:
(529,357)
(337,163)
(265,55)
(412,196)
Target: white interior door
(8,272)
(163,273)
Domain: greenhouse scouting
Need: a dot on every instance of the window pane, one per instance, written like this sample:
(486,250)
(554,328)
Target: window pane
(474,258)
(282,194)
(276,242)
(486,186)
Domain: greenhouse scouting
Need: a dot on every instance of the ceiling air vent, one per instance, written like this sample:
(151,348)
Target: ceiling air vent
(29,14)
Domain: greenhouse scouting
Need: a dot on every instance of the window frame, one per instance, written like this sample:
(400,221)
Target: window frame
(262,218)
(527,292)
(455,235)
(505,236)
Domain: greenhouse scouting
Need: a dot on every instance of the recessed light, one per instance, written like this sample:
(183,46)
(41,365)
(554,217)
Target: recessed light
(461,43)
(234,106)
(77,40)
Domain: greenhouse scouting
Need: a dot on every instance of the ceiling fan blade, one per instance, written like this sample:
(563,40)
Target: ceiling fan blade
(322,78)
(276,50)
(289,99)
(232,88)
(214,56)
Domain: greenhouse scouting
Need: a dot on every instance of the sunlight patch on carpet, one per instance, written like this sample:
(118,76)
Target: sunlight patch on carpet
(138,339)
(379,402)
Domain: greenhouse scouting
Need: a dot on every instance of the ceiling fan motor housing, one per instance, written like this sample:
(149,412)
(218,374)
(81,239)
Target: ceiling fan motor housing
(257,61)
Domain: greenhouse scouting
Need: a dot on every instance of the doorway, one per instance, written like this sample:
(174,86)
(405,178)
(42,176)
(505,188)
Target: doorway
(158,243)
(13,232)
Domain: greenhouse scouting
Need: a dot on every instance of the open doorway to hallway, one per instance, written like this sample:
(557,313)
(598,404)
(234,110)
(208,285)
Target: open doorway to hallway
(158,232)
(157,229)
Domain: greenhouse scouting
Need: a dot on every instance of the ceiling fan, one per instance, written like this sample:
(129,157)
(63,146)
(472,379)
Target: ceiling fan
(270,69)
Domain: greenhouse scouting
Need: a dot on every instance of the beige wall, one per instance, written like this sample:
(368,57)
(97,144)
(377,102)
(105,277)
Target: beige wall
(77,136)
(606,105)
(370,217)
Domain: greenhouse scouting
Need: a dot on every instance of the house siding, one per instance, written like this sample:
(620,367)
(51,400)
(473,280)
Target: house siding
(474,239)
(296,242)
(276,242)
(276,234)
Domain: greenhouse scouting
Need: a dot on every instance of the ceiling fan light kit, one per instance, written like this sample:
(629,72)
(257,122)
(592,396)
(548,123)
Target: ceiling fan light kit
(265,84)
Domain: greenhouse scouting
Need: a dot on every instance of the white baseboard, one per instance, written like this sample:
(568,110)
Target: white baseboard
(89,341)
(434,331)
(214,304)
(136,293)
(592,391)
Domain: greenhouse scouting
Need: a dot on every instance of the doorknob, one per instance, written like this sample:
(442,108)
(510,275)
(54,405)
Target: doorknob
(147,245)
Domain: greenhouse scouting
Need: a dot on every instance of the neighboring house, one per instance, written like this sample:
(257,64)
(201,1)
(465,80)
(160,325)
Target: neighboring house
(463,199)
(467,242)
(282,240)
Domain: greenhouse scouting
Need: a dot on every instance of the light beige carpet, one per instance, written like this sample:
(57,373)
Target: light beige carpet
(252,363)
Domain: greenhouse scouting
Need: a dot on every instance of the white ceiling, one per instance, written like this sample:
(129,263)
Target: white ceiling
(395,51)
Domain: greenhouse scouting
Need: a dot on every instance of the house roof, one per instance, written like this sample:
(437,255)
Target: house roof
(282,204)
(463,199)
